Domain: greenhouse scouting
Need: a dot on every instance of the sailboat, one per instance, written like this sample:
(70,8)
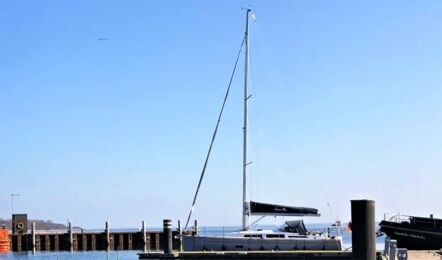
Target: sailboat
(293,235)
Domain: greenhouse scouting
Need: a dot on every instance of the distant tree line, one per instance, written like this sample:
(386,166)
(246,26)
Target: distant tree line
(39,224)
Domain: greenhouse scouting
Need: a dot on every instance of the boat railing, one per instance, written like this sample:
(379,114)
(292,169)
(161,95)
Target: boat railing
(217,231)
(327,230)
(426,221)
(396,217)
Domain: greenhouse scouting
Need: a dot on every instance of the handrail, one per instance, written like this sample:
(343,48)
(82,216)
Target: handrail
(398,218)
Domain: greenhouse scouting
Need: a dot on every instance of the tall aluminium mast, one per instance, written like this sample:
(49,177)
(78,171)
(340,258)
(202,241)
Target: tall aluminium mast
(246,208)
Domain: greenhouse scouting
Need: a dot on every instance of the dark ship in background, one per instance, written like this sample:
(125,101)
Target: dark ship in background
(414,233)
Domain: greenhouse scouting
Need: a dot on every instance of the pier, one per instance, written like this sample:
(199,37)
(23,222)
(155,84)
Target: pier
(249,255)
(77,240)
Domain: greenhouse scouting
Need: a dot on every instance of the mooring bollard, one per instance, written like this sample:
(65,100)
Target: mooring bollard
(363,229)
(387,246)
(167,230)
(402,254)
(393,250)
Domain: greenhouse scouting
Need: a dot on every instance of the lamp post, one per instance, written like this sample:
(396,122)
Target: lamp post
(12,202)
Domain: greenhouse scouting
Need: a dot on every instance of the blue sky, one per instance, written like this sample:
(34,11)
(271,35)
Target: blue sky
(346,105)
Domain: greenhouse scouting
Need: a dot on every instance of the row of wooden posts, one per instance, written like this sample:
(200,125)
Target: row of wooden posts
(107,240)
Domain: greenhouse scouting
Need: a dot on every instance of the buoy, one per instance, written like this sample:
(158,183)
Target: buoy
(5,244)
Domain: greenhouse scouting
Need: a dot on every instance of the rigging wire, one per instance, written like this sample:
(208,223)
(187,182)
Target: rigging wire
(330,210)
(214,135)
(270,61)
(283,98)
(252,119)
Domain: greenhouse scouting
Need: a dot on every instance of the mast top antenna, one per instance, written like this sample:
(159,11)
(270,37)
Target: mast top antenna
(249,10)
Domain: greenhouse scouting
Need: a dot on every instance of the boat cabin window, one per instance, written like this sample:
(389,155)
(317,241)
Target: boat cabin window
(248,235)
(274,235)
(301,236)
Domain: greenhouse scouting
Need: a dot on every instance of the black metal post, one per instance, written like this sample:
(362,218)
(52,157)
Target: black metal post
(167,229)
(363,229)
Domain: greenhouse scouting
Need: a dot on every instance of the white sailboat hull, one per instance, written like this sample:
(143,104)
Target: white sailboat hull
(201,243)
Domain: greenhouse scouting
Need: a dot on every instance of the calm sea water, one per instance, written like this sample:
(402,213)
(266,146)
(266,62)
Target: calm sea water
(113,255)
(125,255)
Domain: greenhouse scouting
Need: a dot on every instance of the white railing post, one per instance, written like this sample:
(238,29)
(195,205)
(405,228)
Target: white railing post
(387,246)
(393,250)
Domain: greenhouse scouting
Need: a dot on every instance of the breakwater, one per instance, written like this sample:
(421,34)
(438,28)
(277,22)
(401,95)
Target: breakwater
(107,240)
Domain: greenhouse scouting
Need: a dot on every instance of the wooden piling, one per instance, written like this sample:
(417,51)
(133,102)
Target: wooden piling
(56,243)
(180,234)
(112,242)
(33,236)
(76,238)
(84,242)
(196,228)
(19,243)
(47,243)
(143,231)
(71,237)
(120,242)
(37,242)
(108,247)
(157,241)
(129,242)
(93,244)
